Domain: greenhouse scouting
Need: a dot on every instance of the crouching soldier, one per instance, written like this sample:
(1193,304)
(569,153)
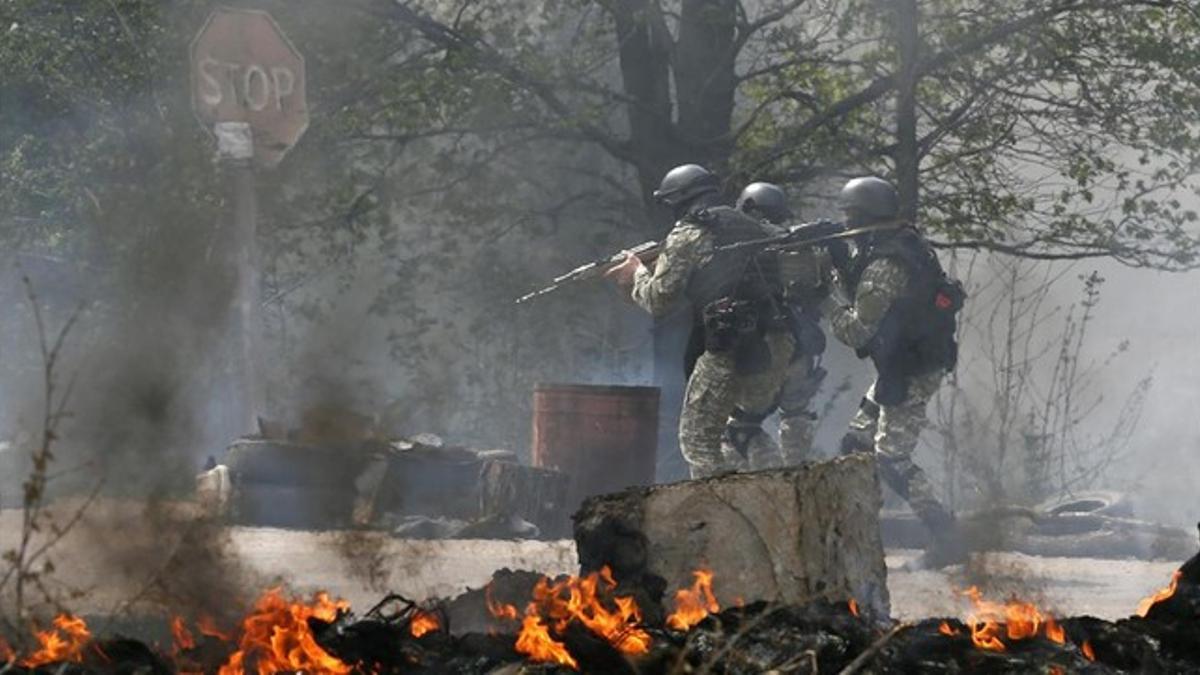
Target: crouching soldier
(741,343)
(902,316)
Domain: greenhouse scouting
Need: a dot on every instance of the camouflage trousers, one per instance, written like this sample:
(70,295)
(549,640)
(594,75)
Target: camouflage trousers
(714,392)
(797,420)
(747,446)
(893,431)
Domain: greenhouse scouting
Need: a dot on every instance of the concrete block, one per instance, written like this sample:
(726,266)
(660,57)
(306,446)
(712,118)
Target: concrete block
(787,535)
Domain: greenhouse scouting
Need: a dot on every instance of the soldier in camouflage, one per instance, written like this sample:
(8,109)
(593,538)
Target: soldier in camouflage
(803,273)
(741,342)
(901,315)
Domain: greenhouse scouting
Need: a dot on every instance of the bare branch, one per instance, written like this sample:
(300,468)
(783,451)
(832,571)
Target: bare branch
(487,57)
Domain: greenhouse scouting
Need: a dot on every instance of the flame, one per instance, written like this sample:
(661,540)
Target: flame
(498,609)
(853,606)
(184,640)
(586,600)
(1015,619)
(61,644)
(536,643)
(695,603)
(947,630)
(578,599)
(1162,594)
(1055,632)
(276,637)
(534,639)
(208,627)
(7,655)
(1088,652)
(423,622)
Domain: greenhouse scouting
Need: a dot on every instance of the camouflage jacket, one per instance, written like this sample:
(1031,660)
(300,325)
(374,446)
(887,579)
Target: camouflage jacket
(659,290)
(883,282)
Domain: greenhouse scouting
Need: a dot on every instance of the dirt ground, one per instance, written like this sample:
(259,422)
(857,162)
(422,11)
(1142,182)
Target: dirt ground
(123,557)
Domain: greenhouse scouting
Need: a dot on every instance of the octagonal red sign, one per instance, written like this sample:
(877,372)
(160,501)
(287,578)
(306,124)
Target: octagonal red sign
(244,69)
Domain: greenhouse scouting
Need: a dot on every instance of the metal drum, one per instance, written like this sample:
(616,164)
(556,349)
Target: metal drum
(603,437)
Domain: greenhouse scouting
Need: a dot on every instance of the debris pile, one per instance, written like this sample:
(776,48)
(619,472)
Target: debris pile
(342,469)
(586,624)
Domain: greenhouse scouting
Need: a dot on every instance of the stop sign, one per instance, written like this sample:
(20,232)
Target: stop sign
(244,69)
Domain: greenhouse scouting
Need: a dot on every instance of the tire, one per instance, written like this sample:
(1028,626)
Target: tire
(1097,502)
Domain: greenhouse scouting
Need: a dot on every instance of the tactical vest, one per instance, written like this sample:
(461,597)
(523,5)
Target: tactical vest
(742,274)
(916,335)
(742,277)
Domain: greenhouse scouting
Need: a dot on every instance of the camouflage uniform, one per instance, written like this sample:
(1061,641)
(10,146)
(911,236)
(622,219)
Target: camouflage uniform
(715,388)
(805,273)
(892,430)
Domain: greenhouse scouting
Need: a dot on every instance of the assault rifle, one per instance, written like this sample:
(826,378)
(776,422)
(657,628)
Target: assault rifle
(806,234)
(647,252)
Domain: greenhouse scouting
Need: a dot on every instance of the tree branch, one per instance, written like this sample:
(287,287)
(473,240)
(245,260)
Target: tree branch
(882,86)
(487,57)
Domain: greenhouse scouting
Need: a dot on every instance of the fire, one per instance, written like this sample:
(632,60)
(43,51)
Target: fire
(536,643)
(853,606)
(423,622)
(276,637)
(1162,594)
(61,644)
(578,599)
(1088,652)
(1015,619)
(7,655)
(208,627)
(184,640)
(946,629)
(695,603)
(498,609)
(586,600)
(1055,632)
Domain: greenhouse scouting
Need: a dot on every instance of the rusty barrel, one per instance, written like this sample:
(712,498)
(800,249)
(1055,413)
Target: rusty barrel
(603,437)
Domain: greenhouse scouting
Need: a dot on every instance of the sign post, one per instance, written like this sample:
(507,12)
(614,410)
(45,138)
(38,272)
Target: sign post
(249,90)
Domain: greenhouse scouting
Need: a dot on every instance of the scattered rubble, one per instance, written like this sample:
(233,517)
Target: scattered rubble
(531,624)
(1091,524)
(338,470)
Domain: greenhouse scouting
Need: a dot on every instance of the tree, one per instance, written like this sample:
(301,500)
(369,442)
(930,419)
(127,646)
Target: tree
(464,150)
(1038,129)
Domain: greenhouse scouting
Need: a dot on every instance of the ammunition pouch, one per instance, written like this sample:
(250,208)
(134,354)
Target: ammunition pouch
(727,323)
(742,430)
(738,327)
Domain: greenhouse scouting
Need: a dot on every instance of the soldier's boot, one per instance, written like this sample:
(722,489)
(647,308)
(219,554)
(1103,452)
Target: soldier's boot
(860,437)
(947,546)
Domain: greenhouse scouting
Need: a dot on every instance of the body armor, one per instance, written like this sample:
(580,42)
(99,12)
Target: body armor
(736,295)
(916,336)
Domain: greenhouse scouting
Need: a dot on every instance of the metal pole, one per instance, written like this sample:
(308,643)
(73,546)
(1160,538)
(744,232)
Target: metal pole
(235,151)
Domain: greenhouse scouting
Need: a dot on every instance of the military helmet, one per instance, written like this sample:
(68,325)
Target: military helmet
(684,183)
(870,198)
(766,200)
